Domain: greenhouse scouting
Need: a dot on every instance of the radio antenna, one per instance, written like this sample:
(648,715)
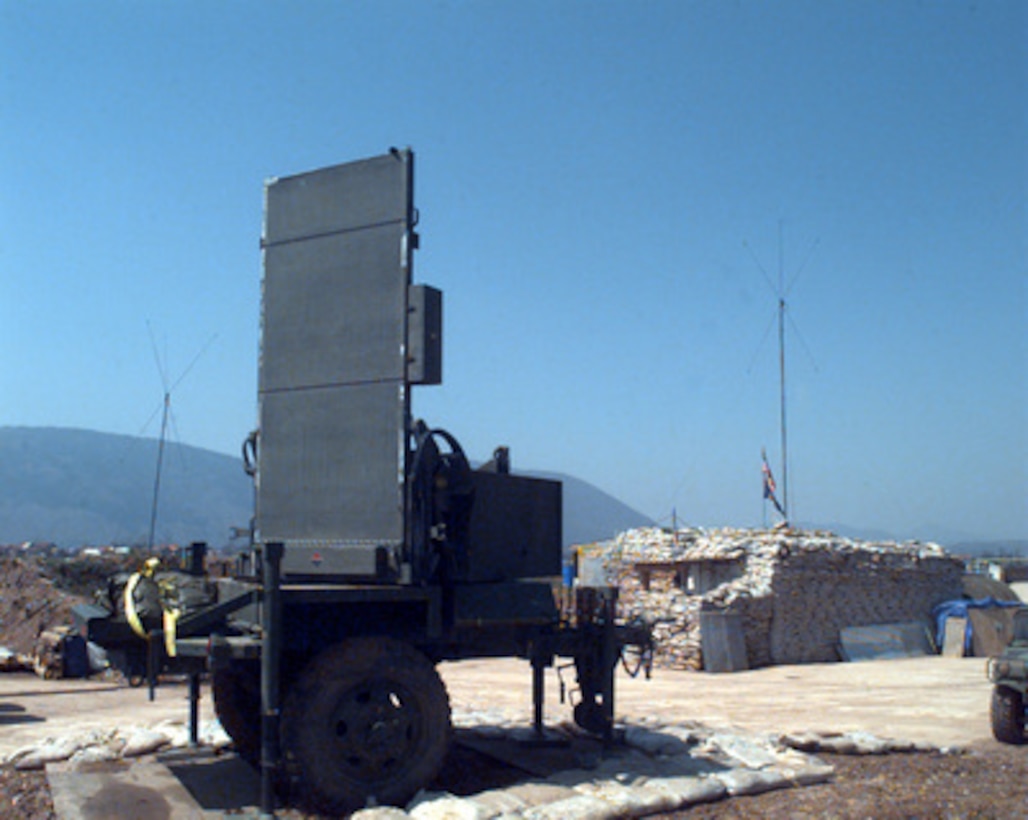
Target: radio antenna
(166,415)
(781,293)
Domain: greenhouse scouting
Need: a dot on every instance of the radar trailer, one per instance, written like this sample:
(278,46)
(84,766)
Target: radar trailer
(377,550)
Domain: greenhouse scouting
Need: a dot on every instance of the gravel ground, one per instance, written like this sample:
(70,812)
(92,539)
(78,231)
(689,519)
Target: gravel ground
(987,780)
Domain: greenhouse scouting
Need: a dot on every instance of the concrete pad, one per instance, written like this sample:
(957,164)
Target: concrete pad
(220,783)
(886,698)
(119,790)
(184,783)
(536,759)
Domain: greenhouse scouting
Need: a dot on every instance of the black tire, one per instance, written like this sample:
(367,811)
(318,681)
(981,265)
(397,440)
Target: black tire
(1007,713)
(368,719)
(236,689)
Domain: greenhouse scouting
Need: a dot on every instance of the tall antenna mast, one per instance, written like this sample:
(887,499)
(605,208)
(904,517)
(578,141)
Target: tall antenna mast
(781,291)
(164,423)
(781,371)
(157,476)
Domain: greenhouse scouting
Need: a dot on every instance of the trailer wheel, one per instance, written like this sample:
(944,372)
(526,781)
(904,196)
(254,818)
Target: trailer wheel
(236,688)
(367,721)
(1007,713)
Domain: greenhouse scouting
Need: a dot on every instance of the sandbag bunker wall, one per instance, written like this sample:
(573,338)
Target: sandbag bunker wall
(794,591)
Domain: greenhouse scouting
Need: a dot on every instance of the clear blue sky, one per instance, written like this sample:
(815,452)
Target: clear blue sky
(589,176)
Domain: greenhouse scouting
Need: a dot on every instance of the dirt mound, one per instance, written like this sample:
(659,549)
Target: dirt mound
(29,603)
(37,593)
(977,587)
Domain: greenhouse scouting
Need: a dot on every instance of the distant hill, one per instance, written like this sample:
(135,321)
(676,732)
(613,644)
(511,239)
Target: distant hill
(991,549)
(79,487)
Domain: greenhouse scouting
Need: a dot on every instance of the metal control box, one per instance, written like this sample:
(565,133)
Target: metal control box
(425,335)
(515,529)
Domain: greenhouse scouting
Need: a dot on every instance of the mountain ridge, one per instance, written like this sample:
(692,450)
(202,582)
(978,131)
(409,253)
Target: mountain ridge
(77,487)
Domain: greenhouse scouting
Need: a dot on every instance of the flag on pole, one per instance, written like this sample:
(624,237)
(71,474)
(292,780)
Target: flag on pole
(769,484)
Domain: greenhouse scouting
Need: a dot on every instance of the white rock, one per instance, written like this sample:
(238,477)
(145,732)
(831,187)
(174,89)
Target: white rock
(627,768)
(213,734)
(96,754)
(809,774)
(654,742)
(448,807)
(380,813)
(630,801)
(751,754)
(538,792)
(52,751)
(746,781)
(499,802)
(688,791)
(144,741)
(869,744)
(578,807)
(686,734)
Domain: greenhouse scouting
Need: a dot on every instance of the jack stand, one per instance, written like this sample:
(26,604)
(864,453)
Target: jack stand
(538,738)
(194,709)
(271,653)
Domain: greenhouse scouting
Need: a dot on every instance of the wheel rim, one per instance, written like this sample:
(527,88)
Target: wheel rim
(367,719)
(375,729)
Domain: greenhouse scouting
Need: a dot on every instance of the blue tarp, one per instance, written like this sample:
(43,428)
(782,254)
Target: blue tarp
(959,609)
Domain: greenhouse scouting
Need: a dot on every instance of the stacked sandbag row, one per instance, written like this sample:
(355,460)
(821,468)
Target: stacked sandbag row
(656,597)
(825,587)
(794,590)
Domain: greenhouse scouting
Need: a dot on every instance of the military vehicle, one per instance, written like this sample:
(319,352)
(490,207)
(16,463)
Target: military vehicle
(1009,675)
(377,550)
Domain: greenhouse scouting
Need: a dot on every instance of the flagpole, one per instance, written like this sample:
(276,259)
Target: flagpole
(781,292)
(781,369)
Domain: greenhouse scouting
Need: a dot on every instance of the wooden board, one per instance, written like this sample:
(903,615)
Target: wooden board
(723,642)
(953,638)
